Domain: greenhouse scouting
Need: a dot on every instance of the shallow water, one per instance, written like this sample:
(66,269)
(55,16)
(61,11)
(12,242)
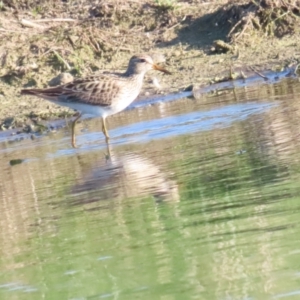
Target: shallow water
(199,200)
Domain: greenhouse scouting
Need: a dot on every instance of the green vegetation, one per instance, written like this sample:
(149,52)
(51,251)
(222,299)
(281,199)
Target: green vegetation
(166,4)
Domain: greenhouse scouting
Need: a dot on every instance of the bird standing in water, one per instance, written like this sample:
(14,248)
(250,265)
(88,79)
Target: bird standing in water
(100,95)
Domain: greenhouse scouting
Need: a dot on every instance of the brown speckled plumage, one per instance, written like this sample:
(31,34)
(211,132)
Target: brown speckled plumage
(107,93)
(96,90)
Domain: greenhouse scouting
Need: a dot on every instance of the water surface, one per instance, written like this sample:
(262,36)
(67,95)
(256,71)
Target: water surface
(199,200)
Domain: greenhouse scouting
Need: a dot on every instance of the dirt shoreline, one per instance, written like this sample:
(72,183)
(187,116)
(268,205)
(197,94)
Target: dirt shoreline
(42,41)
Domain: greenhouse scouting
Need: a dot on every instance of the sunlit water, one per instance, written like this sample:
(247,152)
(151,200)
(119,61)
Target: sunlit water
(200,199)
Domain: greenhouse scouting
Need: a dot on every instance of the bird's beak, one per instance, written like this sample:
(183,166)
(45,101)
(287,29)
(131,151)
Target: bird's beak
(158,68)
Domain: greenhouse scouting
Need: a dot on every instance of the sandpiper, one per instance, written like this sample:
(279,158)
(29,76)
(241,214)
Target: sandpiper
(100,95)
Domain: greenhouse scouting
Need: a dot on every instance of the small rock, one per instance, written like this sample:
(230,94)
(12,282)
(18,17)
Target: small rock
(62,78)
(158,57)
(29,128)
(14,162)
(73,39)
(177,53)
(156,83)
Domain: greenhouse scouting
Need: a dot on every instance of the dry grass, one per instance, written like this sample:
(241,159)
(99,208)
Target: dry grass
(271,17)
(74,36)
(45,37)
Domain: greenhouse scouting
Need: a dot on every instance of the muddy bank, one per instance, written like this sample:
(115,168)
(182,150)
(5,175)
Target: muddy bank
(201,42)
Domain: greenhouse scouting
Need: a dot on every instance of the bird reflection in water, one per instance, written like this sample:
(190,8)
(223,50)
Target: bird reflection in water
(123,177)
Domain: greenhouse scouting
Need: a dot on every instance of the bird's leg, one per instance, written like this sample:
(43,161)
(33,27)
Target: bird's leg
(104,129)
(108,155)
(73,130)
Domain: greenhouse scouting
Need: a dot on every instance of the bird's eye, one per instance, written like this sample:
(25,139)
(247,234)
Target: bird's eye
(142,60)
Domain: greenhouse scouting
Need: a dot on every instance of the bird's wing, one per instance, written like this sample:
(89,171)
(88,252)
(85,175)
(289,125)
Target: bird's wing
(98,91)
(94,90)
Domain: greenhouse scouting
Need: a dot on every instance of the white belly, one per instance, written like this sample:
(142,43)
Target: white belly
(94,110)
(122,100)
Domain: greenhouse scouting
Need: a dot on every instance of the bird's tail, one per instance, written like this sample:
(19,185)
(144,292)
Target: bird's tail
(31,92)
(51,94)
